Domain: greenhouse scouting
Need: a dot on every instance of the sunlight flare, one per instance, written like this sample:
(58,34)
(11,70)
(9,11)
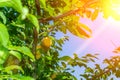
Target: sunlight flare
(112,8)
(96,34)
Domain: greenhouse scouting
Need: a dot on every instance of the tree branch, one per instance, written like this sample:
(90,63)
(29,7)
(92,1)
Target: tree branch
(35,33)
(35,39)
(37,3)
(60,16)
(68,13)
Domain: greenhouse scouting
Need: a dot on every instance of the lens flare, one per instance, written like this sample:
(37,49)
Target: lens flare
(111,8)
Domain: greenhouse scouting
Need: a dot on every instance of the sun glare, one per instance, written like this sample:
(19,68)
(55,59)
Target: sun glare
(112,8)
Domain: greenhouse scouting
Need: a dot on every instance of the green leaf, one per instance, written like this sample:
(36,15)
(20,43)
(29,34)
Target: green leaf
(16,54)
(1,67)
(80,64)
(21,77)
(43,3)
(4,36)
(24,12)
(3,54)
(18,25)
(65,58)
(112,79)
(63,64)
(91,56)
(2,16)
(11,67)
(16,4)
(34,21)
(75,55)
(50,10)
(63,29)
(25,50)
(89,70)
(73,30)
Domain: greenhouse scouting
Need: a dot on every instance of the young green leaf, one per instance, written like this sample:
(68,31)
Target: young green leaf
(21,77)
(50,10)
(65,58)
(16,4)
(63,64)
(43,3)
(11,67)
(34,21)
(4,36)
(24,13)
(63,29)
(25,50)
(3,54)
(16,54)
(3,17)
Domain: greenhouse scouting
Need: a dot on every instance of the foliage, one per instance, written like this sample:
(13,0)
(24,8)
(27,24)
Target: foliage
(23,26)
(111,67)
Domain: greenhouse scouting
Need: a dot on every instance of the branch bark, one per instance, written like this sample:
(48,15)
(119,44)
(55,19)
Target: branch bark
(37,3)
(60,16)
(35,33)
(35,40)
(67,13)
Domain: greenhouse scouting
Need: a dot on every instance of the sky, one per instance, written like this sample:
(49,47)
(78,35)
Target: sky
(105,38)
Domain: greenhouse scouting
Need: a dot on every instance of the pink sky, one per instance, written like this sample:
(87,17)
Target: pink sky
(104,31)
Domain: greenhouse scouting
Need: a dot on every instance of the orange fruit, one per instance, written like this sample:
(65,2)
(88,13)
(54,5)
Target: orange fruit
(46,43)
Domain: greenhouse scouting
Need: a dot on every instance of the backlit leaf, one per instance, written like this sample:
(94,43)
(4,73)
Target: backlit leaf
(88,14)
(63,64)
(72,30)
(75,55)
(82,32)
(63,29)
(34,21)
(16,54)
(50,10)
(89,70)
(4,36)
(11,67)
(95,14)
(65,58)
(24,13)
(21,77)
(43,3)
(85,27)
(16,4)
(3,54)
(25,50)
(117,50)
(3,17)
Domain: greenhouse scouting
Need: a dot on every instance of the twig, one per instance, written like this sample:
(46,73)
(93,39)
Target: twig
(35,33)
(67,13)
(97,76)
(37,3)
(60,16)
